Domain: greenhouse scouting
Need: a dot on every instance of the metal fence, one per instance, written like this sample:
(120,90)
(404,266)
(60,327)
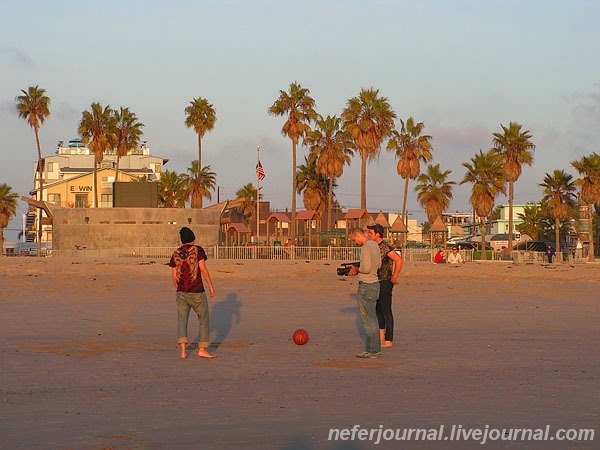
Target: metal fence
(222,252)
(288,253)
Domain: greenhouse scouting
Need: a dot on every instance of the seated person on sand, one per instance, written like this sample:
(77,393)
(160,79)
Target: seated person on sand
(440,257)
(455,257)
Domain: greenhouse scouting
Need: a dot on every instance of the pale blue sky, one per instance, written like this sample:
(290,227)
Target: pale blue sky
(462,67)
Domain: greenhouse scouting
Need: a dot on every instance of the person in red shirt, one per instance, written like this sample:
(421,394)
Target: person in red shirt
(188,265)
(440,257)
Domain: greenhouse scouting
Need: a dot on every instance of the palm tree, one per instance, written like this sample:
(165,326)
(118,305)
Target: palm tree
(200,182)
(531,221)
(434,192)
(559,192)
(248,206)
(201,116)
(34,107)
(128,131)
(299,108)
(516,149)
(411,149)
(313,185)
(589,190)
(368,119)
(331,149)
(172,192)
(548,223)
(97,131)
(486,174)
(8,208)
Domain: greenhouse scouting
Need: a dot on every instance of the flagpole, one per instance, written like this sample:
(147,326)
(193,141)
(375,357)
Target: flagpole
(257,197)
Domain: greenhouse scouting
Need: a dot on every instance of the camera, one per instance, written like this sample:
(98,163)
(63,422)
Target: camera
(346,267)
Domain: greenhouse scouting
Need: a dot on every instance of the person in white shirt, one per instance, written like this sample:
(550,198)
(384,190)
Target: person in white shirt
(455,257)
(578,250)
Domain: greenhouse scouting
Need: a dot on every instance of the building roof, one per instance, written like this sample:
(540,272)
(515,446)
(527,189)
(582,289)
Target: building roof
(278,217)
(309,214)
(381,220)
(81,174)
(398,226)
(438,226)
(357,214)
(239,227)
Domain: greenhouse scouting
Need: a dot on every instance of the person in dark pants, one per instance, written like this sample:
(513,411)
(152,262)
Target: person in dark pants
(550,253)
(391,265)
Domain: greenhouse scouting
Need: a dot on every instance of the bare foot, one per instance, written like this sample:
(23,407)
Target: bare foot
(183,350)
(202,353)
(386,344)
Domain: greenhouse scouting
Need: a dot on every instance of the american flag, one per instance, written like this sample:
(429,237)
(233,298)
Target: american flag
(260,173)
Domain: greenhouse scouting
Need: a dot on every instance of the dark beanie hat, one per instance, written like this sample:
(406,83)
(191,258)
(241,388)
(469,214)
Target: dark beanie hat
(186,235)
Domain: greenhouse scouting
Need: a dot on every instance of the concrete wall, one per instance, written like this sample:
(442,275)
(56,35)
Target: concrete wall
(107,228)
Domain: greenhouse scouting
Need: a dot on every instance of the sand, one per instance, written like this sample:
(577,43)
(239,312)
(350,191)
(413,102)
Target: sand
(90,361)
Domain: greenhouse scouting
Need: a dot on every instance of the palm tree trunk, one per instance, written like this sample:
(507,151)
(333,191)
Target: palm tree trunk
(41,192)
(199,152)
(294,188)
(405,236)
(557,237)
(363,179)
(329,202)
(511,192)
(483,250)
(591,250)
(95,183)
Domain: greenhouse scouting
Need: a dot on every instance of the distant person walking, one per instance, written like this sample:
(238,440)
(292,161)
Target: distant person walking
(550,253)
(188,264)
(578,250)
(368,291)
(391,265)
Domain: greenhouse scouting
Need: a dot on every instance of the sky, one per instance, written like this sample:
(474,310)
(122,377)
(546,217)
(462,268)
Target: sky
(463,68)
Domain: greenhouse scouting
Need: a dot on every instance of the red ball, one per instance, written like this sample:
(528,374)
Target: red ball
(300,337)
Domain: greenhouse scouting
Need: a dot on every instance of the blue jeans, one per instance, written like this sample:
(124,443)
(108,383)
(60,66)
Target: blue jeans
(197,301)
(368,293)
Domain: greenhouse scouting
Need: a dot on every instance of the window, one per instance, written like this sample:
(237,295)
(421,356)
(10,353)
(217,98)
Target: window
(157,168)
(54,199)
(106,201)
(81,200)
(107,181)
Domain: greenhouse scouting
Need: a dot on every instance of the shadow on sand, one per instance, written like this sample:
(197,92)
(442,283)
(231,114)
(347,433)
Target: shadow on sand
(357,322)
(222,317)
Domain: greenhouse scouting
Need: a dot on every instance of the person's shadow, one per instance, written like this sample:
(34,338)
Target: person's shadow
(358,323)
(222,317)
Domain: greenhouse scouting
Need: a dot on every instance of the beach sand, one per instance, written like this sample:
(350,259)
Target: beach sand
(90,361)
